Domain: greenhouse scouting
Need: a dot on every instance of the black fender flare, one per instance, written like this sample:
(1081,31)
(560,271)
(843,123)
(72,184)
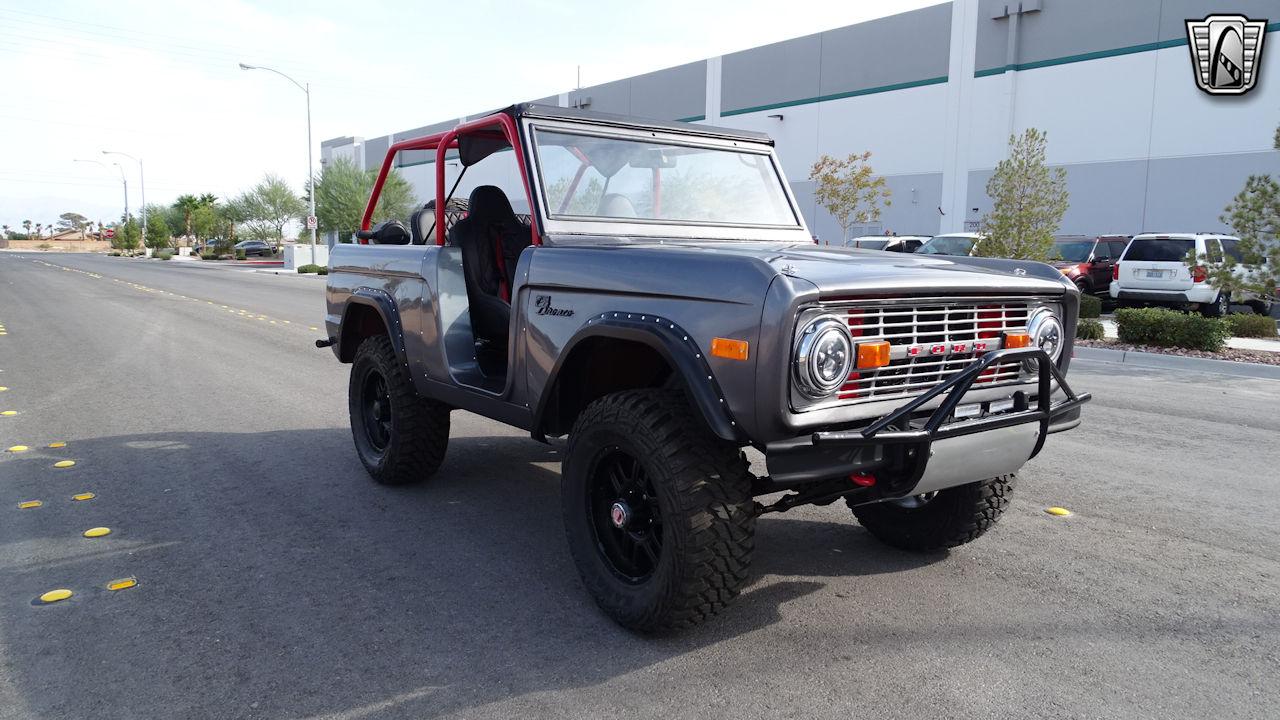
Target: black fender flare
(381,303)
(674,345)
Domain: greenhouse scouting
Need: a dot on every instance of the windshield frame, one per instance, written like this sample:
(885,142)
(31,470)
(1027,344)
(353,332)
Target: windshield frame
(584,227)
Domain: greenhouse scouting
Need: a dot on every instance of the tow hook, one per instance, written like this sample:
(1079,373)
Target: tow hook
(326,342)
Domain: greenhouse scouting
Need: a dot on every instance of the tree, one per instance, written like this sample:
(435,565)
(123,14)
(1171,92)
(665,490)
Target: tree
(39,230)
(1028,202)
(72,221)
(1254,216)
(204,221)
(158,233)
(128,235)
(186,204)
(342,189)
(26,226)
(6,231)
(848,190)
(268,207)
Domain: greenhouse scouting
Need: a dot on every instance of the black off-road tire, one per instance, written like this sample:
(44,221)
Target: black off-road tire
(418,435)
(953,517)
(703,494)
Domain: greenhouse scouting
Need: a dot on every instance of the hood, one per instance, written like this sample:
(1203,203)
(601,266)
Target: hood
(841,270)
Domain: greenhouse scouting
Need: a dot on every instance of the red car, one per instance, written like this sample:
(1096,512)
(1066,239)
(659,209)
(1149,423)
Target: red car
(1087,260)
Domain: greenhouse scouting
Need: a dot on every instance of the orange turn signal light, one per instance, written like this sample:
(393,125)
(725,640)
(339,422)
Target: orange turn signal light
(873,354)
(730,349)
(1016,340)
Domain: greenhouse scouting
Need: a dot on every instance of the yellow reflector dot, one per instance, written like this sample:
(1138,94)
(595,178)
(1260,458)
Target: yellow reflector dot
(27,505)
(18,448)
(64,463)
(83,496)
(54,596)
(728,348)
(58,444)
(1059,511)
(97,532)
(122,584)
(9,413)
(3,388)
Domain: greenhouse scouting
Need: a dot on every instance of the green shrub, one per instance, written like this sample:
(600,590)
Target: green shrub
(240,255)
(1259,326)
(114,253)
(1090,329)
(164,254)
(1169,328)
(1090,306)
(208,256)
(324,270)
(308,269)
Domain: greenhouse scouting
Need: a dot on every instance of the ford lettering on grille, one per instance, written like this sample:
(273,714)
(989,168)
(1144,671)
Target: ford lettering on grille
(931,339)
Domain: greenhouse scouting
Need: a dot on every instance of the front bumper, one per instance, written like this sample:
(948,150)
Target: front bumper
(1165,297)
(910,451)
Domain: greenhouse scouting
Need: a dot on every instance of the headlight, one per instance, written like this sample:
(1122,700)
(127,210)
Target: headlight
(823,356)
(1046,333)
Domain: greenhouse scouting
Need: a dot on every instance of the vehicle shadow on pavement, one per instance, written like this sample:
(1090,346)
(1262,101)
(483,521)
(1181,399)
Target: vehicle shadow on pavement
(277,580)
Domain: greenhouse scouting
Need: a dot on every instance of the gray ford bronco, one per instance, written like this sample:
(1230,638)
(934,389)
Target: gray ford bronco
(663,305)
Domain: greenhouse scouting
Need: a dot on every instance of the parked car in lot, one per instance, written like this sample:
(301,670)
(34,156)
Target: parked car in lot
(958,244)
(1154,271)
(1087,261)
(888,243)
(255,247)
(664,326)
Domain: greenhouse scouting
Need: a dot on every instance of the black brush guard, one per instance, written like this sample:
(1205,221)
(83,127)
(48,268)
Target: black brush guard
(895,429)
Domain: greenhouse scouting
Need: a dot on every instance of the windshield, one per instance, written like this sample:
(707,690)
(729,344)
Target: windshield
(1159,249)
(594,177)
(947,245)
(1074,251)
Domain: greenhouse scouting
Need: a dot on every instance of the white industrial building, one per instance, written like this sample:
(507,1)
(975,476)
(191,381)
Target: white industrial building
(935,93)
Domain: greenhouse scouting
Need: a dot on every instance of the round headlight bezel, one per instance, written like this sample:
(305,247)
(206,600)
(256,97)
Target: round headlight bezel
(814,349)
(1044,326)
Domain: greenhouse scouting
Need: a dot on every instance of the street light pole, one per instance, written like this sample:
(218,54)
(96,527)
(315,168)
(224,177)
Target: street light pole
(142,179)
(306,89)
(123,181)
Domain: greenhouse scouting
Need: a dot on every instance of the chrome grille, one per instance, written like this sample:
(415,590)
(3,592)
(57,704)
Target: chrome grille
(963,329)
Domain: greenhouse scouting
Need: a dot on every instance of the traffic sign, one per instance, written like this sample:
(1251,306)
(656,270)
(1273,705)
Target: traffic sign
(311,222)
(109,233)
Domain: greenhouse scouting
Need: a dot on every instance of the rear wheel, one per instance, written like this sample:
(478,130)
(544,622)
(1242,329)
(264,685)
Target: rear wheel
(1219,307)
(936,521)
(400,436)
(658,512)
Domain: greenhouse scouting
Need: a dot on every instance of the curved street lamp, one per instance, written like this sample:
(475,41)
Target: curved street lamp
(123,181)
(142,181)
(305,88)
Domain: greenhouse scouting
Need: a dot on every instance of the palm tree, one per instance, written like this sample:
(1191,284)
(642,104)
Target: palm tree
(39,230)
(6,230)
(26,225)
(209,199)
(187,204)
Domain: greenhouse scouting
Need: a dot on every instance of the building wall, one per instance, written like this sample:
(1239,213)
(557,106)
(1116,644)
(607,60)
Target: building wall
(1110,82)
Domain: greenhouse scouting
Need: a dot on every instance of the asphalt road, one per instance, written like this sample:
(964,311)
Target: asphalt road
(277,581)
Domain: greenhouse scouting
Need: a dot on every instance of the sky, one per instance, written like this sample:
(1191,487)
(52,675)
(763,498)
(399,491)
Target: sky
(160,80)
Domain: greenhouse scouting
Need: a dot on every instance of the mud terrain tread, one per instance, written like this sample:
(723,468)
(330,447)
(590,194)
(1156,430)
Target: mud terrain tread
(421,435)
(954,517)
(713,518)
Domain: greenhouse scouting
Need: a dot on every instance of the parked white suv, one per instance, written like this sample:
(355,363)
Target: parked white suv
(1153,270)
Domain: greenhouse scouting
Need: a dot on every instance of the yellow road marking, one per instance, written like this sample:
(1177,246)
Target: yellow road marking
(83,496)
(64,464)
(17,449)
(28,504)
(54,596)
(122,584)
(97,532)
(1059,511)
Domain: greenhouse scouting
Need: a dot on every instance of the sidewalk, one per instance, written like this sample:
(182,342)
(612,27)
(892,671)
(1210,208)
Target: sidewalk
(1262,344)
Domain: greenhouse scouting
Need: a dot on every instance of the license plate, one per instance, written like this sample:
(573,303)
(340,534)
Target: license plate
(1156,274)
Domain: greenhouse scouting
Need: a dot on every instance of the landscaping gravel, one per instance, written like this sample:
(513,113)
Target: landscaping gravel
(1234,354)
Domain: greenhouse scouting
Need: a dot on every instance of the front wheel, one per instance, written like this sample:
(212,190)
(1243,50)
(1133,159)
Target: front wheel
(937,521)
(400,436)
(658,512)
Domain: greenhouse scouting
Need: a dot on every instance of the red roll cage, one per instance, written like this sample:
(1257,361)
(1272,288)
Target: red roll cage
(499,126)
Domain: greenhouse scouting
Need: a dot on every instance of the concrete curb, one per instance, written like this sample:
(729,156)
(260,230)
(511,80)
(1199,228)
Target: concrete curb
(1178,362)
